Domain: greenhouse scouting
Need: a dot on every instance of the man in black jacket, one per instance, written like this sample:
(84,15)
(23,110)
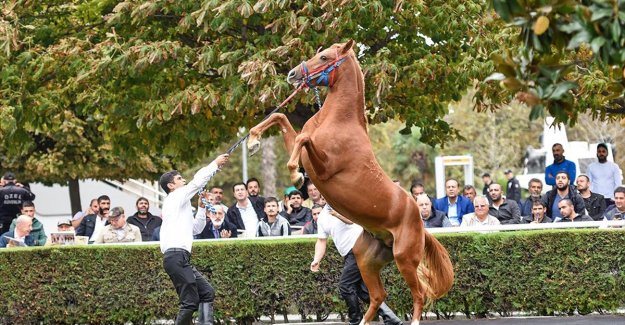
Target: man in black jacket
(537,214)
(246,212)
(535,188)
(487,181)
(513,188)
(294,212)
(568,214)
(143,219)
(562,190)
(431,217)
(12,195)
(505,210)
(92,224)
(594,202)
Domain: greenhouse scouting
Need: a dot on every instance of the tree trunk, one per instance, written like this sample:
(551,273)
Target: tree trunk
(268,169)
(74,195)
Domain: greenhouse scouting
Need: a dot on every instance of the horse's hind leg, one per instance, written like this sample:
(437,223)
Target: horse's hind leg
(408,252)
(288,133)
(371,255)
(297,178)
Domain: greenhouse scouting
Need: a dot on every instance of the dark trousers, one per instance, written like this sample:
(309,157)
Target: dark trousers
(351,282)
(190,284)
(352,287)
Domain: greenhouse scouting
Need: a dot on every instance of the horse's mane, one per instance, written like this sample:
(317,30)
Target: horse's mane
(361,88)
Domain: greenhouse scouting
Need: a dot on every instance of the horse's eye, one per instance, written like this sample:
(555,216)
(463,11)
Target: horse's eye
(324,58)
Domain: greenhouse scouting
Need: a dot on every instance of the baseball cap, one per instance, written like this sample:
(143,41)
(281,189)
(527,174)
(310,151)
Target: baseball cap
(508,171)
(66,222)
(289,190)
(116,212)
(9,176)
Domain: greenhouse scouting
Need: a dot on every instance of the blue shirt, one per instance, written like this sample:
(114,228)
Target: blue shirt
(463,206)
(551,171)
(452,213)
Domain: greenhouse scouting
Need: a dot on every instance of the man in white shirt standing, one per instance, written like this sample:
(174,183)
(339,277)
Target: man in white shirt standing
(176,234)
(604,175)
(351,285)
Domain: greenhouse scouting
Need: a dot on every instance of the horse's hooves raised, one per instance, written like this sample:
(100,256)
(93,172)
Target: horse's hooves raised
(253,147)
(299,182)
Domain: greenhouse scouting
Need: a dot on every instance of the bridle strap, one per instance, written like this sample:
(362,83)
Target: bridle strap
(324,75)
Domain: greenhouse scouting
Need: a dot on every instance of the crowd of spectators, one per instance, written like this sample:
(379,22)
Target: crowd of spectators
(594,196)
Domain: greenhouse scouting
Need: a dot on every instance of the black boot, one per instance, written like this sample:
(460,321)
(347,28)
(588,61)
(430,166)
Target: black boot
(353,309)
(205,314)
(185,317)
(388,316)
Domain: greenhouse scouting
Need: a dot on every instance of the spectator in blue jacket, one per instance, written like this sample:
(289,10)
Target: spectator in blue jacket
(559,164)
(453,205)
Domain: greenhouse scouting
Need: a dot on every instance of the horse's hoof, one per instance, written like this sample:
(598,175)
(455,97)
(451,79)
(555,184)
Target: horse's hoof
(299,182)
(253,147)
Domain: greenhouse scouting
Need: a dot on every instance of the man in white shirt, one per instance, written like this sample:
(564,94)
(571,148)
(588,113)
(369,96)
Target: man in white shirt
(176,234)
(351,286)
(604,175)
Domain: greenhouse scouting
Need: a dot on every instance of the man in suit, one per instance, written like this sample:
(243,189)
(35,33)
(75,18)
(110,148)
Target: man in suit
(453,205)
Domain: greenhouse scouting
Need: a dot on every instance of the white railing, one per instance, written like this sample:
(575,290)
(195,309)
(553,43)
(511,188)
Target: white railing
(154,196)
(618,225)
(614,224)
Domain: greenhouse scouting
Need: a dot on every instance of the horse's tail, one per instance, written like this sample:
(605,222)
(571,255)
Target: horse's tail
(436,273)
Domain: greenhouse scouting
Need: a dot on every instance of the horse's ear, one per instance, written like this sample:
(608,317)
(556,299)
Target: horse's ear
(347,46)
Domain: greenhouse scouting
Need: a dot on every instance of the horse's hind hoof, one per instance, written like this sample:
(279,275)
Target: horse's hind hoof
(253,147)
(299,182)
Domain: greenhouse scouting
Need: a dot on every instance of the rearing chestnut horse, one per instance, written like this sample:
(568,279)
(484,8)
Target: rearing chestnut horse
(335,150)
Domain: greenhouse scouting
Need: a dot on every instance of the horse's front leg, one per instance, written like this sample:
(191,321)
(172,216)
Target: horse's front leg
(288,133)
(297,178)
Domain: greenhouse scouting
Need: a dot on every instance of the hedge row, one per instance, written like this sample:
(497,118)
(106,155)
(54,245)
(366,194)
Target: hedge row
(543,272)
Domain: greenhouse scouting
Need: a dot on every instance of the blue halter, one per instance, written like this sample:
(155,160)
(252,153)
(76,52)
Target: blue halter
(323,78)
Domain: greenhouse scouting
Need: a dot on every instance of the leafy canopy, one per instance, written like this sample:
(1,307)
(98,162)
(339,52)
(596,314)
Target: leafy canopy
(119,89)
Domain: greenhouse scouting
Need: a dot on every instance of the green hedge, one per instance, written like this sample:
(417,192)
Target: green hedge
(542,272)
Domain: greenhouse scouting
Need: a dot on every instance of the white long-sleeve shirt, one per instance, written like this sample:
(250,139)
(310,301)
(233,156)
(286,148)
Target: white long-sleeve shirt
(604,178)
(179,225)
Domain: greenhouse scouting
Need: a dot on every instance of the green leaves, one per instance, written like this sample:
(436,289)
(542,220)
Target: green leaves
(558,46)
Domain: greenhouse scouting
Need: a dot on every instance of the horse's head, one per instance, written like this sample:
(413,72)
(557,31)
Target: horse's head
(320,69)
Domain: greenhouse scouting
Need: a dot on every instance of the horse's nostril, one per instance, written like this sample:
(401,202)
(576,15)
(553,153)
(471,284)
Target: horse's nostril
(291,74)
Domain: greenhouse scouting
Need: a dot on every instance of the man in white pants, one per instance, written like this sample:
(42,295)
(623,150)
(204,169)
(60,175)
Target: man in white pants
(176,234)
(351,286)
